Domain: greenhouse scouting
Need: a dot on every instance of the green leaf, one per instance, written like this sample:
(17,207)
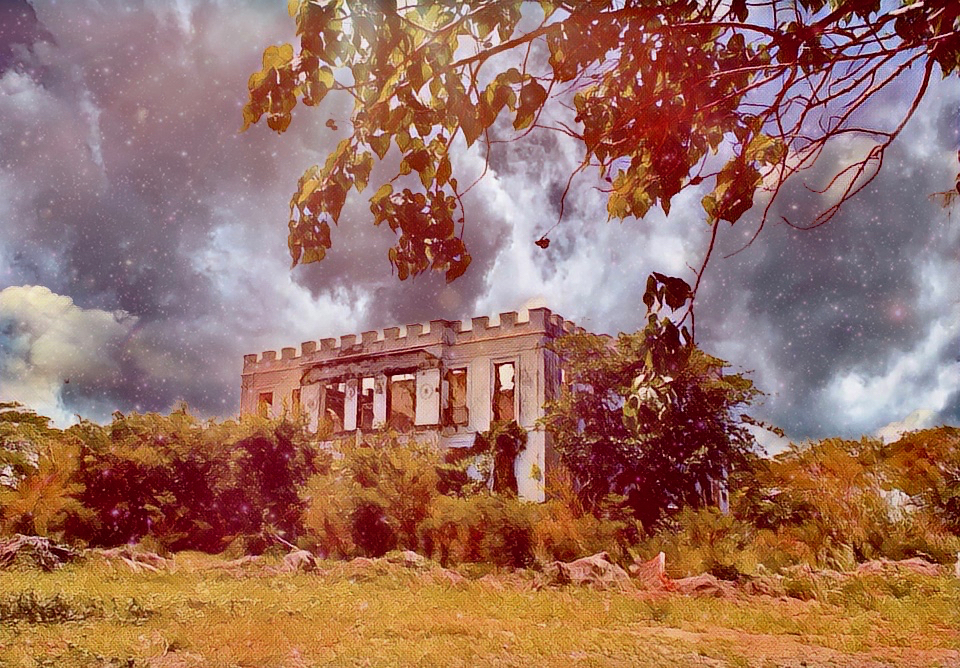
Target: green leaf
(325,76)
(277,56)
(765,149)
(617,206)
(650,294)
(676,292)
(362,166)
(382,192)
(443,170)
(733,195)
(457,269)
(418,160)
(323,234)
(296,249)
(314,254)
(402,138)
(306,189)
(469,124)
(380,144)
(532,97)
(738,10)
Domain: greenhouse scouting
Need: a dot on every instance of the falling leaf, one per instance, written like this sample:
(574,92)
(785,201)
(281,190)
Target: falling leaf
(331,124)
(543,242)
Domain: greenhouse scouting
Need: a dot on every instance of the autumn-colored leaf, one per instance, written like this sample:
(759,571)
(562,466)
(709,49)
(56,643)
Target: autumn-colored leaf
(382,192)
(665,87)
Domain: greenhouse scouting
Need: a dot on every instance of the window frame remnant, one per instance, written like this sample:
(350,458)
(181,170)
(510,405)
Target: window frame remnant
(456,413)
(401,421)
(365,396)
(334,396)
(265,404)
(504,399)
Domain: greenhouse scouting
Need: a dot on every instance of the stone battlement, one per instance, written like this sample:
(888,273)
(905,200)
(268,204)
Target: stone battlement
(410,337)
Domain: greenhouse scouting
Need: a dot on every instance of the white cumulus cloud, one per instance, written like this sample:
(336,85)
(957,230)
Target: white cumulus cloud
(46,340)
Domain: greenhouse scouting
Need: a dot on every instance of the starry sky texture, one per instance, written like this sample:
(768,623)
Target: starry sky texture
(143,239)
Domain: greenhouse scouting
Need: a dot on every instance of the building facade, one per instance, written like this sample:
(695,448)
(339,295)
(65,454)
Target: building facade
(441,382)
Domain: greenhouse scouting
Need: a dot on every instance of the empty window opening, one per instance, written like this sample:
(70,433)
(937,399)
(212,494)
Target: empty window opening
(504,392)
(265,404)
(457,413)
(401,401)
(295,402)
(334,394)
(365,403)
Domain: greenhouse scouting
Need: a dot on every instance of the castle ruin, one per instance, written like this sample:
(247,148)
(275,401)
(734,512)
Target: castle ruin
(441,382)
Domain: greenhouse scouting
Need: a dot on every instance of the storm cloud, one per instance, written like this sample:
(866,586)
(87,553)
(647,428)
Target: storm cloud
(153,235)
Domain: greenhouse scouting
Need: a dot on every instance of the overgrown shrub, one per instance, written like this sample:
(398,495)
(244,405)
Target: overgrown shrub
(489,463)
(482,528)
(370,527)
(831,504)
(326,520)
(383,495)
(925,466)
(920,535)
(34,608)
(22,435)
(175,482)
(43,500)
(704,541)
(373,498)
(564,531)
(190,484)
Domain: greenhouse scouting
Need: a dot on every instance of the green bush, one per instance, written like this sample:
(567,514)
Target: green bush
(43,500)
(188,484)
(560,533)
(647,420)
(920,535)
(482,528)
(371,529)
(452,533)
(492,457)
(704,541)
(330,500)
(373,498)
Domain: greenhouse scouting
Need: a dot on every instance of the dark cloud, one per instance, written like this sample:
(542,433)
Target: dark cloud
(856,292)
(120,158)
(19,31)
(130,192)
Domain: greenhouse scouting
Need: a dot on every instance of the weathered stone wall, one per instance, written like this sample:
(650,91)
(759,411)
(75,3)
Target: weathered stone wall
(429,349)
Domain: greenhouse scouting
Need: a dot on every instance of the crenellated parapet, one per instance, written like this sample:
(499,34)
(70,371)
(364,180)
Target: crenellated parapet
(538,321)
(443,380)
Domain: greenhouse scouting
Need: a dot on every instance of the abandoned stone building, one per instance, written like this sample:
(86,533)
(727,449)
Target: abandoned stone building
(442,382)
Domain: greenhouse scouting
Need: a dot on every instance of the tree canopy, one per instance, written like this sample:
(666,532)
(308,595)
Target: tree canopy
(654,428)
(663,96)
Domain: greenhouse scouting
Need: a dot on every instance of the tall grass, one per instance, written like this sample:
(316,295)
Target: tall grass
(211,617)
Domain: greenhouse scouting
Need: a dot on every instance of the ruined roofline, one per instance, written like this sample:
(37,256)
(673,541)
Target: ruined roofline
(417,335)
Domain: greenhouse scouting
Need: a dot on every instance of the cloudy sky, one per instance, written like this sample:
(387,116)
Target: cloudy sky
(143,239)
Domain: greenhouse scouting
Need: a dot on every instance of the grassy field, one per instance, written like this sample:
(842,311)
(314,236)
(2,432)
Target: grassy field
(96,614)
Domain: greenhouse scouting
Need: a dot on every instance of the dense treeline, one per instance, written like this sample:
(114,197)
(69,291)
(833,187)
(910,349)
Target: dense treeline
(831,504)
(176,482)
(181,482)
